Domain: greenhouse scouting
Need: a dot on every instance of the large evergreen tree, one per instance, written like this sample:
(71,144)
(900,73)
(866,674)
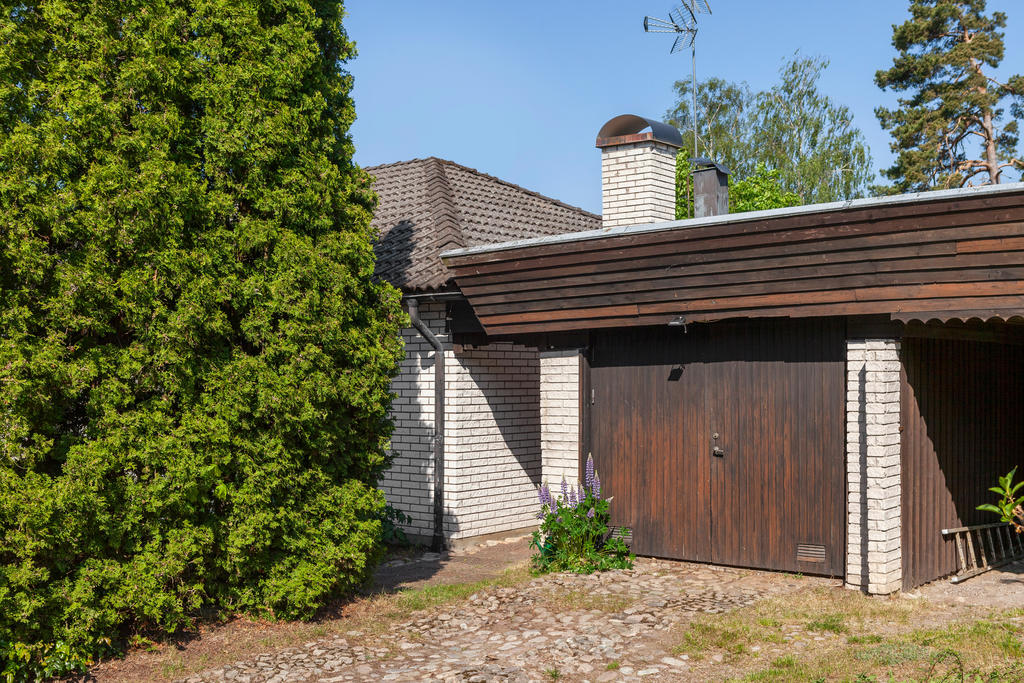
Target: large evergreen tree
(950,130)
(194,356)
(803,137)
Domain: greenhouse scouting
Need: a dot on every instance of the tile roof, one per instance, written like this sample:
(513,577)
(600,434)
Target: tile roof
(428,206)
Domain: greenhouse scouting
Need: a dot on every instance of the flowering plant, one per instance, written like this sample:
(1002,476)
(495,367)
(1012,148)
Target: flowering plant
(573,534)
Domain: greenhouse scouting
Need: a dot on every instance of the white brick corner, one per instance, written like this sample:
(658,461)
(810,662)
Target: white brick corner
(874,559)
(559,415)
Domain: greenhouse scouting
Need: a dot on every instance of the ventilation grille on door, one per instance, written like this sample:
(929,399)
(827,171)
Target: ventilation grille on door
(806,552)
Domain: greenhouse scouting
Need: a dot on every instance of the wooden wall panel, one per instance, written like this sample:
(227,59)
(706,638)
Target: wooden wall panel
(931,258)
(963,427)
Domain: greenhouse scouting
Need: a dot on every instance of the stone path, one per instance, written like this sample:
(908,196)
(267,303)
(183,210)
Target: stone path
(467,565)
(558,626)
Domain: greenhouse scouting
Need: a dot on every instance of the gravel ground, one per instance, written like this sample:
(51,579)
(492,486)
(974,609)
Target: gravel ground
(998,588)
(604,627)
(575,625)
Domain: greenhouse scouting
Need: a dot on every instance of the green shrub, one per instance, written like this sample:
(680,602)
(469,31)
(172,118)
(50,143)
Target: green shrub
(573,534)
(1010,507)
(194,355)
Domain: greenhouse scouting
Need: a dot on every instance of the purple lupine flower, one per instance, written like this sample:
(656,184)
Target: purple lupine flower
(596,488)
(565,492)
(544,494)
(589,476)
(572,498)
(590,513)
(582,493)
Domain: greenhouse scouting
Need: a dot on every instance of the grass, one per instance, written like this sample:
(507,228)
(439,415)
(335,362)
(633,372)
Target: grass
(828,623)
(173,667)
(721,636)
(582,600)
(779,666)
(886,640)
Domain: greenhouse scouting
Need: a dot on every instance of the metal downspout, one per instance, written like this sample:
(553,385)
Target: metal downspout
(414,317)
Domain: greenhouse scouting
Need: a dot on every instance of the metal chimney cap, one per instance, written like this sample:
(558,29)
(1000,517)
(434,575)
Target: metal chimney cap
(704,162)
(631,124)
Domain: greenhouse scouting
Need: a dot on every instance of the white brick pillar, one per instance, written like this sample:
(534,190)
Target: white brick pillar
(560,415)
(874,559)
(638,180)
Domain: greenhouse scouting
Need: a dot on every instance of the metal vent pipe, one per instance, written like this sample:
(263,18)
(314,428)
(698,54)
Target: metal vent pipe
(438,543)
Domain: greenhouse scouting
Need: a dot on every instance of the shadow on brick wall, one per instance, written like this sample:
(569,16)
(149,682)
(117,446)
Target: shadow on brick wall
(511,389)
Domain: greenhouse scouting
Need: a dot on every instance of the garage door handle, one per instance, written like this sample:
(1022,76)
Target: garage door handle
(717,452)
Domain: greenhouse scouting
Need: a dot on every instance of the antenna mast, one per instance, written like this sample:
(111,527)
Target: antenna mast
(683,22)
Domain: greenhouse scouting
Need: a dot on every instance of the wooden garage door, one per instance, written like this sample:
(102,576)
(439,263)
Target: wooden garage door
(769,396)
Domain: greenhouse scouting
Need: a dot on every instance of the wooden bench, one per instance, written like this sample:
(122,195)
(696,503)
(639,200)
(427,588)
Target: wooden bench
(982,547)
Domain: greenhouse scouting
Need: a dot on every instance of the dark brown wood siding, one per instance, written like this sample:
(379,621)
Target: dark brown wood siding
(773,393)
(936,259)
(963,427)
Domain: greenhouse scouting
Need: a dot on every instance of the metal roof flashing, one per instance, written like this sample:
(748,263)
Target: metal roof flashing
(751,216)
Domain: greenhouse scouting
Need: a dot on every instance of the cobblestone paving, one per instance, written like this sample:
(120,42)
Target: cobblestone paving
(576,625)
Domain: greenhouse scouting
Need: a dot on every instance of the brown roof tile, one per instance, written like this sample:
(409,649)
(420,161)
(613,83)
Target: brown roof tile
(430,205)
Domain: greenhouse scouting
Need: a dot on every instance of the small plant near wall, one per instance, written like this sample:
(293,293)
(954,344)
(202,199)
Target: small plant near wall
(391,522)
(1011,507)
(574,534)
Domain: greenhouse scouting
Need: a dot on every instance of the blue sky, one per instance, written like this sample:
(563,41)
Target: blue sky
(520,89)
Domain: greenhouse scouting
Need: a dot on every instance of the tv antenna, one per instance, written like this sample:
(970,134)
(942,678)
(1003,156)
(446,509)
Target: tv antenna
(683,22)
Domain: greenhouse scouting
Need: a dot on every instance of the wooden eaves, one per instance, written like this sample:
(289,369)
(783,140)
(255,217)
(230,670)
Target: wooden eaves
(948,255)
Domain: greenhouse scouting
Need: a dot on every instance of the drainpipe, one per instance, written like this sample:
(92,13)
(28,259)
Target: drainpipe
(414,316)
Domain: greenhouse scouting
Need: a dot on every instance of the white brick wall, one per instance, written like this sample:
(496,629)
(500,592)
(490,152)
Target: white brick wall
(638,183)
(409,484)
(492,434)
(874,561)
(492,454)
(559,415)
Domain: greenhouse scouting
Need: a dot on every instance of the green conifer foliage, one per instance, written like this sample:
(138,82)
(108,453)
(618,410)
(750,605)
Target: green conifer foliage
(194,355)
(948,131)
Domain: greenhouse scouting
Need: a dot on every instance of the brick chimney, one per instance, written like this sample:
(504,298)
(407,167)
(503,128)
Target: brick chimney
(638,170)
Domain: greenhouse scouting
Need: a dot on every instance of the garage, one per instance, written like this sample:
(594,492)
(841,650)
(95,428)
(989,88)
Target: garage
(821,389)
(725,443)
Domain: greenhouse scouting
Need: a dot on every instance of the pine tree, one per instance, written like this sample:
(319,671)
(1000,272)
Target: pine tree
(949,130)
(194,354)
